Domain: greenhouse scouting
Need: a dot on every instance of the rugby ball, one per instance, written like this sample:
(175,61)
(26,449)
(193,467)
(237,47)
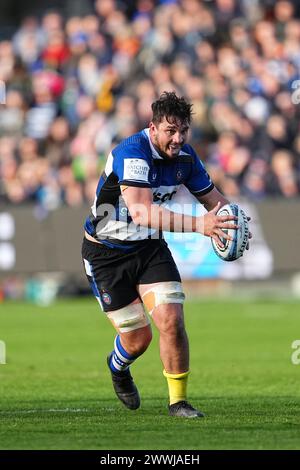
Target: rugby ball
(233,249)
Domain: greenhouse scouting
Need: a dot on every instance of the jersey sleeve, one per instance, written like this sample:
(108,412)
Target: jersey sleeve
(198,182)
(131,165)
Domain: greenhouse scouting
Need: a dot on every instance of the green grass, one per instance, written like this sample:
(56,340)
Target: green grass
(56,392)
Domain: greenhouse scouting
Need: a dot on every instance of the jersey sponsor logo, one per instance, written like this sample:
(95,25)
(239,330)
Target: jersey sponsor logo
(136,169)
(163,197)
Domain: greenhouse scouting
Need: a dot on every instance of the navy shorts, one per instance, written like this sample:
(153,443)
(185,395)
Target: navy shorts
(115,275)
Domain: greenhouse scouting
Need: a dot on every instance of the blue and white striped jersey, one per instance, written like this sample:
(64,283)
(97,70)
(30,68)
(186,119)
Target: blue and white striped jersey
(135,162)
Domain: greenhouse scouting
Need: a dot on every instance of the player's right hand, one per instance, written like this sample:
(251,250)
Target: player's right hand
(214,225)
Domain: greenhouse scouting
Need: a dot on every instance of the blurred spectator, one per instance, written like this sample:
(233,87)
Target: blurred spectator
(47,87)
(254,183)
(12,116)
(283,179)
(28,42)
(57,146)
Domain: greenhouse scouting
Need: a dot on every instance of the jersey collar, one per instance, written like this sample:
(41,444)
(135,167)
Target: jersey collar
(154,152)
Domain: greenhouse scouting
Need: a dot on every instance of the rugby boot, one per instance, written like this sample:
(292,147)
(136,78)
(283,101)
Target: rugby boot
(184,410)
(125,388)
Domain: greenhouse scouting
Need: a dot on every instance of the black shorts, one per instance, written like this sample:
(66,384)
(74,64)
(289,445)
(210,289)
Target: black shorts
(114,275)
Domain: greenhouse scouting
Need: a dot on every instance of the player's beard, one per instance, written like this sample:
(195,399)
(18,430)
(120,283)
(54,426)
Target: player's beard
(175,151)
(166,151)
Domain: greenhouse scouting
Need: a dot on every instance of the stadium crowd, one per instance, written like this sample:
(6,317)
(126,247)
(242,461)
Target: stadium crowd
(76,86)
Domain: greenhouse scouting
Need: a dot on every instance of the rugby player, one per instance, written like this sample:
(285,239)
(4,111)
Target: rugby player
(126,259)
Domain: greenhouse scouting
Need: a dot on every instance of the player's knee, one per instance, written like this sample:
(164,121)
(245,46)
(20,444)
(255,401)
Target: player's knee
(169,320)
(136,342)
(163,293)
(143,340)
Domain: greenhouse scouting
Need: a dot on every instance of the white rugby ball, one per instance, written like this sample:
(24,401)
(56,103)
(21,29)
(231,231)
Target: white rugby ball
(233,249)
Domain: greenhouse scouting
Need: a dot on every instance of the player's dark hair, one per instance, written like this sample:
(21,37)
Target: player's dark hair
(169,105)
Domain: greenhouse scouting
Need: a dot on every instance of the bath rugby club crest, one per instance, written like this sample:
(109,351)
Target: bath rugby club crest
(106,298)
(178,175)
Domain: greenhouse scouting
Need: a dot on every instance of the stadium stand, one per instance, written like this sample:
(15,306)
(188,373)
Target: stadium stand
(76,85)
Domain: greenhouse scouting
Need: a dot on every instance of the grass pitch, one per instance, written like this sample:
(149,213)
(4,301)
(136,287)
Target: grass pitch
(56,391)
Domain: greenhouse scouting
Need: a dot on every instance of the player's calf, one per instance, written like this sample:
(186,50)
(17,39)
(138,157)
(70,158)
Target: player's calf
(134,337)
